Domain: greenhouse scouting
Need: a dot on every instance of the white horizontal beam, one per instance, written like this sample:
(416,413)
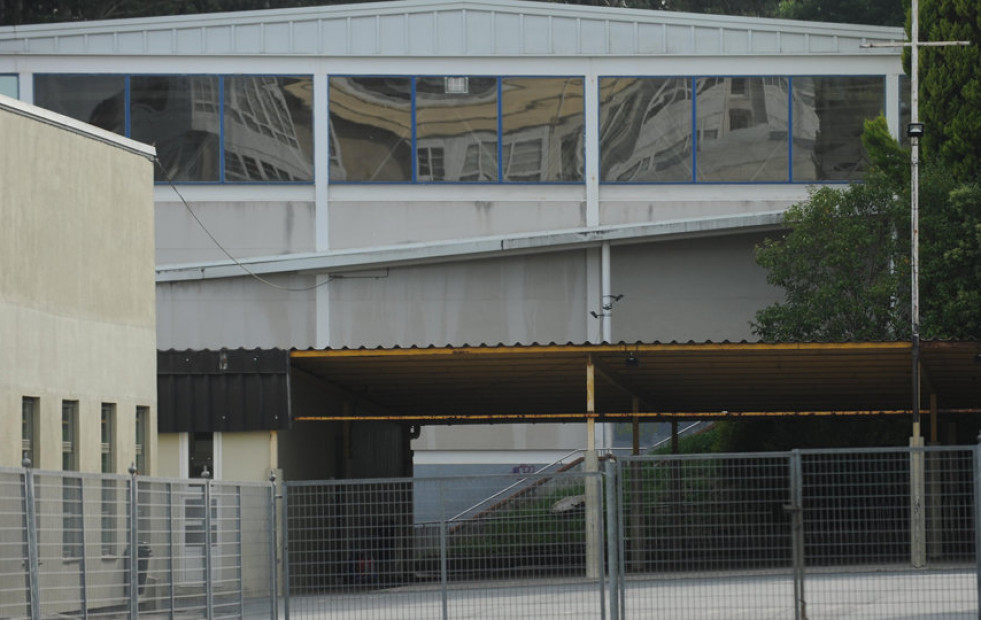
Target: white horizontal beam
(470,249)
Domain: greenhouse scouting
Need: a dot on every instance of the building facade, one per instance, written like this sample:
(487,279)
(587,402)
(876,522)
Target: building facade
(462,172)
(77,310)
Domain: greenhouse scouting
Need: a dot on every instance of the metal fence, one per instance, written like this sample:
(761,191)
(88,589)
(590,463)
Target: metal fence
(446,547)
(69,544)
(862,534)
(812,534)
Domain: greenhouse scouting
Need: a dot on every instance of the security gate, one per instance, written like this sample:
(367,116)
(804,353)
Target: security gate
(872,533)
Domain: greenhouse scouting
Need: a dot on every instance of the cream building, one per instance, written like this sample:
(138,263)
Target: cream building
(77,313)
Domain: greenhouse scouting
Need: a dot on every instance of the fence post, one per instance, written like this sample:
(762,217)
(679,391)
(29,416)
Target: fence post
(274,569)
(614,542)
(443,566)
(286,551)
(172,549)
(917,517)
(82,561)
(977,519)
(134,566)
(209,600)
(33,564)
(796,510)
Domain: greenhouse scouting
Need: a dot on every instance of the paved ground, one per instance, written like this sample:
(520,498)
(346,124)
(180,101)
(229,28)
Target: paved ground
(907,595)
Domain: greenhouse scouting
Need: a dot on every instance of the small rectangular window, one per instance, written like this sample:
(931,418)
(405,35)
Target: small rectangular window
(69,435)
(30,408)
(109,517)
(142,447)
(108,436)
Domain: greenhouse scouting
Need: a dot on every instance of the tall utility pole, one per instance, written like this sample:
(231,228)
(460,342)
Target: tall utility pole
(915,131)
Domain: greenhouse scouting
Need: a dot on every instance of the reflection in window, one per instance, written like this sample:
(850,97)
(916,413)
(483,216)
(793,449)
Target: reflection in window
(179,115)
(456,119)
(95,99)
(829,115)
(371,129)
(543,124)
(30,412)
(9,86)
(645,129)
(270,120)
(741,129)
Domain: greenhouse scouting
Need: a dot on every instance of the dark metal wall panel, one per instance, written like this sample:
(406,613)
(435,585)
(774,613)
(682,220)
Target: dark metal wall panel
(225,390)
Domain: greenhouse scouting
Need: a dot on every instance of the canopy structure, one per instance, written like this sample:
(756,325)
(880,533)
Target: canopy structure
(573,382)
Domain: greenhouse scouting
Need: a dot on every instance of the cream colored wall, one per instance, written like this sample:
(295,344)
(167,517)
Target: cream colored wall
(248,457)
(168,455)
(77,312)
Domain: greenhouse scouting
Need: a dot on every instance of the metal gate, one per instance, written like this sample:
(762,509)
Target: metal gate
(822,534)
(494,546)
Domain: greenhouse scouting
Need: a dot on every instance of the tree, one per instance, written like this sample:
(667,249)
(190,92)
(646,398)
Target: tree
(843,265)
(876,12)
(950,86)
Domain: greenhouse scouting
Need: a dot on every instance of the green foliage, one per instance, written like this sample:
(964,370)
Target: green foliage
(875,12)
(843,265)
(950,86)
(951,273)
(778,434)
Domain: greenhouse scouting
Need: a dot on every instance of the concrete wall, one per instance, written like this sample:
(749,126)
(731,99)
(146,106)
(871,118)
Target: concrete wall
(77,315)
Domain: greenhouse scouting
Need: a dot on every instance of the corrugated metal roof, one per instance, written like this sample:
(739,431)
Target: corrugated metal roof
(447,28)
(670,380)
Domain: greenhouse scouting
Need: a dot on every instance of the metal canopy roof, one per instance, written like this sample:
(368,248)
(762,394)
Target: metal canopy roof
(673,380)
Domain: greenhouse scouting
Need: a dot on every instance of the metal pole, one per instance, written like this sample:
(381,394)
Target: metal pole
(241,551)
(82,564)
(134,566)
(443,568)
(286,551)
(796,510)
(172,547)
(915,211)
(34,565)
(977,520)
(209,601)
(613,540)
(274,569)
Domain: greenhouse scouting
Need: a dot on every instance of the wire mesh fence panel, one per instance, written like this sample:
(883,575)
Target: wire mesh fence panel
(706,536)
(485,546)
(15,586)
(889,533)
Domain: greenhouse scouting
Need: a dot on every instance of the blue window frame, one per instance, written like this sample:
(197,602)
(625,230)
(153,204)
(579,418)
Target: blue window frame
(9,86)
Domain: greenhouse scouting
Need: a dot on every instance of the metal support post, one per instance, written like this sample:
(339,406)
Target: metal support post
(172,552)
(613,540)
(274,570)
(977,519)
(286,551)
(591,465)
(796,510)
(917,517)
(134,566)
(82,564)
(209,594)
(444,576)
(241,551)
(33,564)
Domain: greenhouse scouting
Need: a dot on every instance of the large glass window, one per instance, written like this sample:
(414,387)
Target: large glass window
(180,116)
(460,129)
(371,129)
(456,129)
(829,115)
(98,100)
(542,124)
(741,129)
(268,129)
(646,130)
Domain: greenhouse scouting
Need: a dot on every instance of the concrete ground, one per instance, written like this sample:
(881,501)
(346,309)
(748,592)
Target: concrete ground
(869,595)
